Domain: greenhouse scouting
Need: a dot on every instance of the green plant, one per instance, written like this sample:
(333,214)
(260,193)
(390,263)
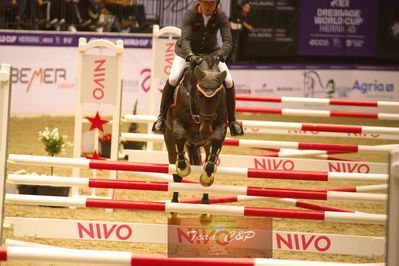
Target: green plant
(53,142)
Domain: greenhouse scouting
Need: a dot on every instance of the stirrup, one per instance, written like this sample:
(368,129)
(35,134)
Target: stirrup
(236,129)
(159,126)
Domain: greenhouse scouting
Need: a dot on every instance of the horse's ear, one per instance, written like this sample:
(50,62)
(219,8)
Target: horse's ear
(199,73)
(221,76)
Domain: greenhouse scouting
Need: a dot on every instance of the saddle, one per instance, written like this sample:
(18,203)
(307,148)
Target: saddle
(179,85)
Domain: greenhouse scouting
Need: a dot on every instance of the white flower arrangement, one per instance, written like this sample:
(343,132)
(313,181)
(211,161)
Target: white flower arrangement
(53,142)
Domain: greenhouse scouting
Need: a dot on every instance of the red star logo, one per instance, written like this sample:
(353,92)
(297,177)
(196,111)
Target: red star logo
(97,122)
(95,157)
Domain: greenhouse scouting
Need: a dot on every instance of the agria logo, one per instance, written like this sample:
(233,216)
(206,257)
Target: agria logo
(375,86)
(41,75)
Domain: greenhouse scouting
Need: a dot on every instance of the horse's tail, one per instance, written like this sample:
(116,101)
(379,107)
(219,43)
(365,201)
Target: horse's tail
(194,154)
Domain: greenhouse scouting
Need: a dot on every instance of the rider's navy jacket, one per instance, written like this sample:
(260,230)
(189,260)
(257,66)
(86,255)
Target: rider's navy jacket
(198,39)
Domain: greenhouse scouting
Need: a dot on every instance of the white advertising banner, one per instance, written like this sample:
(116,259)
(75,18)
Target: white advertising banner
(44,76)
(44,79)
(332,82)
(158,233)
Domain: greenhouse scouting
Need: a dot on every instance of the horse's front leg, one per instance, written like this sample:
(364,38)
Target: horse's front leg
(179,134)
(218,135)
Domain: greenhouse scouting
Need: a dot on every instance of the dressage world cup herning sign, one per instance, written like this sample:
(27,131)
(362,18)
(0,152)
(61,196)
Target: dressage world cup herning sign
(99,79)
(338,27)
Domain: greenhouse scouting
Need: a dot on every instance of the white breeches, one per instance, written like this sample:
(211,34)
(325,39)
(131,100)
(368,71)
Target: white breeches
(179,64)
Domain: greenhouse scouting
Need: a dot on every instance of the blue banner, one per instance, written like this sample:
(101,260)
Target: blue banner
(338,27)
(30,38)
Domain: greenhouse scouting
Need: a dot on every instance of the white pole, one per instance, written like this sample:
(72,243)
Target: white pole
(392,254)
(78,114)
(5,89)
(68,256)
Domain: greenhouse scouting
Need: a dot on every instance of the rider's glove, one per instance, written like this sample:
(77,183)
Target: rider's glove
(220,58)
(194,59)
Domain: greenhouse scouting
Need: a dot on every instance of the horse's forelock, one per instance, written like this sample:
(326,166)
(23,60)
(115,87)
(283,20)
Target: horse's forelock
(209,63)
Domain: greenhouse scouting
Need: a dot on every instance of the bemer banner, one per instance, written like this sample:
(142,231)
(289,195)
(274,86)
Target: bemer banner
(338,27)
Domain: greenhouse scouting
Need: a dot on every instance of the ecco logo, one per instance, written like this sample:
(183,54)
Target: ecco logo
(319,42)
(340,3)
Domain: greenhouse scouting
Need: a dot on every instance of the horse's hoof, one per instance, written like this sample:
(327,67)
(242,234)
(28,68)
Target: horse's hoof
(205,219)
(210,167)
(183,172)
(206,180)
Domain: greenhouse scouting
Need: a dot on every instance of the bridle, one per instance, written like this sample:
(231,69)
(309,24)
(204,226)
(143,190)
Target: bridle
(212,116)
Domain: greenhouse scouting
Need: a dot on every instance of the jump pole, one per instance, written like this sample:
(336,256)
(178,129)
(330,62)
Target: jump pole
(276,144)
(26,179)
(272,163)
(5,96)
(195,170)
(185,187)
(80,202)
(320,101)
(318,113)
(120,258)
(291,126)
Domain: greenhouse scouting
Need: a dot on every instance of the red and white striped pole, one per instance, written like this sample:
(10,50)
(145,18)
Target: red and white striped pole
(195,170)
(317,113)
(197,208)
(292,126)
(321,101)
(307,146)
(185,187)
(276,144)
(289,202)
(120,258)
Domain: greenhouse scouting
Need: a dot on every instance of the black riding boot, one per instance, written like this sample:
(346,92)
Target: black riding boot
(235,127)
(167,97)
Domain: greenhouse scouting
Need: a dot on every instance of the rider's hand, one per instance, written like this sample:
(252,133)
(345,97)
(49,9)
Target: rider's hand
(220,58)
(194,60)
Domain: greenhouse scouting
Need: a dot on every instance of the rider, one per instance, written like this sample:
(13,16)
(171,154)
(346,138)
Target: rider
(201,23)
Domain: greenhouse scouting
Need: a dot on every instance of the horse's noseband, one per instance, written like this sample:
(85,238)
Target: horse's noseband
(209,95)
(208,117)
(213,116)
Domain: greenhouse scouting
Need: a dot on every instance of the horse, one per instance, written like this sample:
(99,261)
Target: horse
(197,119)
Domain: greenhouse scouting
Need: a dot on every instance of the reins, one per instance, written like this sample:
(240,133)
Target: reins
(196,118)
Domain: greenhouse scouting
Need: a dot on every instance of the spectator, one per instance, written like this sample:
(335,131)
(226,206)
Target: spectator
(241,28)
(18,8)
(58,14)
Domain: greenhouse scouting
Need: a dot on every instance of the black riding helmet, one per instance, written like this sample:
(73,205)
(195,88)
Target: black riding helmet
(217,4)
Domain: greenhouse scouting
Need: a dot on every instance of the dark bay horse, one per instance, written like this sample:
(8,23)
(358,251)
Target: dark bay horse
(198,118)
